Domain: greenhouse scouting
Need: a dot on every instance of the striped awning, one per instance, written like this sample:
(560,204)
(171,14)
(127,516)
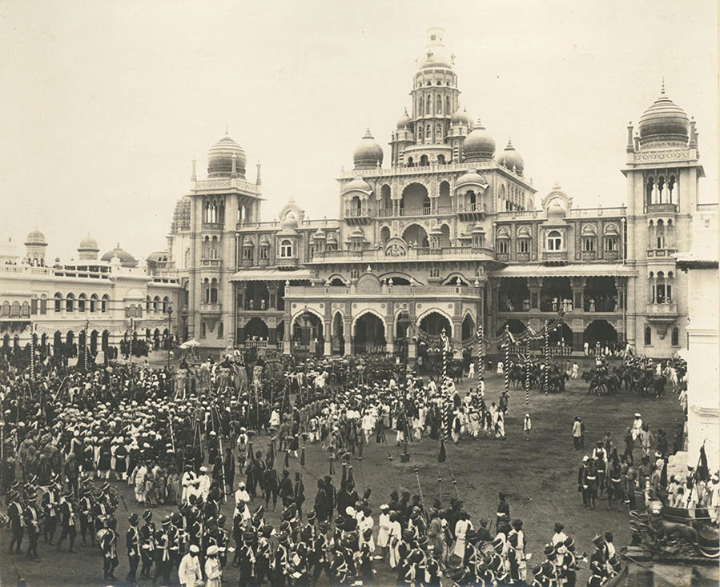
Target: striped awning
(272,275)
(572,270)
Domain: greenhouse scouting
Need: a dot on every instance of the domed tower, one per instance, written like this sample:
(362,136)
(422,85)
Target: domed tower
(435,99)
(35,245)
(368,154)
(663,172)
(88,249)
(402,138)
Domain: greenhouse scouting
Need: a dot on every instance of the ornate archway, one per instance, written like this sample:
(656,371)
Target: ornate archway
(369,333)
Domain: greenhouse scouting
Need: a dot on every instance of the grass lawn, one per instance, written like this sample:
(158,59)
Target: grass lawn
(539,478)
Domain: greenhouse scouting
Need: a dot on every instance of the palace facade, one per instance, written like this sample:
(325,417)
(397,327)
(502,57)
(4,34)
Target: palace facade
(445,236)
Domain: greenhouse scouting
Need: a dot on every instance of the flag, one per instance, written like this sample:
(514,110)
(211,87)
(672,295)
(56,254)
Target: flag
(442,455)
(702,470)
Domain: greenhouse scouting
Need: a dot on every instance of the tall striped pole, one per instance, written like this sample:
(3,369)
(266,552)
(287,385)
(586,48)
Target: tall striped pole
(506,366)
(445,399)
(527,375)
(547,357)
(86,353)
(32,350)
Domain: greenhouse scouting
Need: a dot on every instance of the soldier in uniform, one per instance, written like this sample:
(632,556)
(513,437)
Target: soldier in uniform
(50,502)
(264,555)
(282,557)
(147,552)
(67,521)
(16,514)
(85,515)
(163,559)
(108,544)
(32,523)
(133,543)
(248,560)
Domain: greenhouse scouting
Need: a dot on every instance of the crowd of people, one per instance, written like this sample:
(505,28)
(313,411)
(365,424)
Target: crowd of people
(74,436)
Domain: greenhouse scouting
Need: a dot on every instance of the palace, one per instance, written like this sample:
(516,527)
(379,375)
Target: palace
(446,237)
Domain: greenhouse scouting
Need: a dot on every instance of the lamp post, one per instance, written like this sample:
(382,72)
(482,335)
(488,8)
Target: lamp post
(169,337)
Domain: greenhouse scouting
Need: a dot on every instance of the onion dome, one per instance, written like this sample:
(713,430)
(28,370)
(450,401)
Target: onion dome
(319,235)
(35,237)
(368,153)
(478,229)
(357,185)
(221,156)
(460,116)
(478,145)
(357,233)
(664,120)
(404,122)
(511,159)
(332,238)
(125,258)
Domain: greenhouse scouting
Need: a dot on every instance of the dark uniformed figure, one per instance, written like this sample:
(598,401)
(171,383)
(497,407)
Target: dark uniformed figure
(147,548)
(67,521)
(32,523)
(85,515)
(163,553)
(16,513)
(133,543)
(50,502)
(108,544)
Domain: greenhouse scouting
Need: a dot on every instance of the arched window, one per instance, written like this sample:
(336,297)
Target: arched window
(156,303)
(15,309)
(221,330)
(447,104)
(43,304)
(439,105)
(214,291)
(165,304)
(428,105)
(81,302)
(148,303)
(206,290)
(104,303)
(93,303)
(286,249)
(675,338)
(420,106)
(70,303)
(648,336)
(58,302)
(649,190)
(6,308)
(25,310)
(554,241)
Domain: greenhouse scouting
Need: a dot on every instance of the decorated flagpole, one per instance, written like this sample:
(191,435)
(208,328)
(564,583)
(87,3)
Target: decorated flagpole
(86,350)
(444,388)
(527,375)
(32,350)
(546,374)
(481,369)
(506,370)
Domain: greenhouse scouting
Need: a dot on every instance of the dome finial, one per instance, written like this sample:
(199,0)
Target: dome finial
(227,129)
(368,134)
(662,87)
(479,124)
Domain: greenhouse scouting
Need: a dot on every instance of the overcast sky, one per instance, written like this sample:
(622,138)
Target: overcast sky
(105,103)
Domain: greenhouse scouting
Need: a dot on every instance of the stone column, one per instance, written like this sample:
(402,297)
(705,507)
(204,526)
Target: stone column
(578,289)
(286,337)
(327,336)
(348,335)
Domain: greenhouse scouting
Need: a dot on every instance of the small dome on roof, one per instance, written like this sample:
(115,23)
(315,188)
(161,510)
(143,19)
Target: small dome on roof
(220,158)
(125,258)
(288,227)
(478,145)
(357,233)
(404,122)
(471,177)
(35,237)
(460,116)
(556,210)
(88,244)
(368,153)
(511,159)
(264,241)
(478,229)
(332,237)
(357,184)
(664,120)
(319,234)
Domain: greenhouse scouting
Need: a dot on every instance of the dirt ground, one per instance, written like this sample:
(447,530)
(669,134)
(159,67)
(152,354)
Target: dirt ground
(538,476)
